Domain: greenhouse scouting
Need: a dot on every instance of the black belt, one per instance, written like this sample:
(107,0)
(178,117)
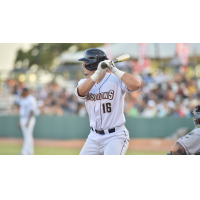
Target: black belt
(102,132)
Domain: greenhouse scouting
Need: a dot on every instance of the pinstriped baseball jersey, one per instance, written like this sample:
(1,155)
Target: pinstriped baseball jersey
(27,105)
(105,103)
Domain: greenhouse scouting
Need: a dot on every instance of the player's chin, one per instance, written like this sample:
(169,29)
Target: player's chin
(87,75)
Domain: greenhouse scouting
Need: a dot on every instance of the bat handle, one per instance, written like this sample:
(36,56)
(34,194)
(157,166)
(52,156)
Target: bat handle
(104,65)
(115,61)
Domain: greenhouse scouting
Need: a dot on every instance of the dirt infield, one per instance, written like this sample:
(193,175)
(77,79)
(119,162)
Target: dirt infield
(135,144)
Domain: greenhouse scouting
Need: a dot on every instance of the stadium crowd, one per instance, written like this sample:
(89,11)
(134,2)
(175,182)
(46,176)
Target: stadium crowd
(161,95)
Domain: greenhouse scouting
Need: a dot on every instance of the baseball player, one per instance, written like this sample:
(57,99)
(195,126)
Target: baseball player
(28,106)
(190,143)
(104,99)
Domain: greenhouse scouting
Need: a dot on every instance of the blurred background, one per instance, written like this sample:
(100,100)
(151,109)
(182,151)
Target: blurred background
(156,115)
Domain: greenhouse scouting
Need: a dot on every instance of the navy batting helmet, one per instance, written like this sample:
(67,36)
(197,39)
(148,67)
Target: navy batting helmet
(93,57)
(196,115)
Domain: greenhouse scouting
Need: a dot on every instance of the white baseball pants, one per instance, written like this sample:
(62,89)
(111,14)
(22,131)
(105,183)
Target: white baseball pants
(28,145)
(109,144)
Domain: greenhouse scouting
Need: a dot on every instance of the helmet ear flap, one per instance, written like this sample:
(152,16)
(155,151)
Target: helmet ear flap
(98,60)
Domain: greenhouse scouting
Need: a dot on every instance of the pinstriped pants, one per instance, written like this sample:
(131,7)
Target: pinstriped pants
(110,144)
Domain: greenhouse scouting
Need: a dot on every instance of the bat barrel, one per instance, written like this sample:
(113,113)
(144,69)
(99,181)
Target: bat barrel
(121,58)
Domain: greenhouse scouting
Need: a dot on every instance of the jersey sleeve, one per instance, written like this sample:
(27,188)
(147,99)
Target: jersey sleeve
(76,89)
(191,142)
(124,87)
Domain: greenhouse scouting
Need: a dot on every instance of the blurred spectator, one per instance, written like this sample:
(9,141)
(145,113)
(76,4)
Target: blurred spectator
(161,95)
(148,78)
(150,110)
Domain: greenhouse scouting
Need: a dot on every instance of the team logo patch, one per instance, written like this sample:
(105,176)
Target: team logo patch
(189,134)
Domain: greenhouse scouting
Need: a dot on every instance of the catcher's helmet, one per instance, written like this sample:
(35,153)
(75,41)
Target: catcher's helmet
(196,115)
(93,57)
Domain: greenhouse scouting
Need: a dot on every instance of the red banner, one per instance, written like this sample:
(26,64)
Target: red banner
(143,62)
(142,53)
(183,52)
(108,51)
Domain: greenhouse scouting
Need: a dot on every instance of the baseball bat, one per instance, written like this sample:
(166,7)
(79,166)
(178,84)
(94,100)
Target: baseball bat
(122,58)
(118,59)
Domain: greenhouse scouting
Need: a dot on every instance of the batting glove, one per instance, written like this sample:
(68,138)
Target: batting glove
(98,73)
(115,71)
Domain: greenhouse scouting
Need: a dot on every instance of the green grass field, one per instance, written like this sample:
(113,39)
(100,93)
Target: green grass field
(14,149)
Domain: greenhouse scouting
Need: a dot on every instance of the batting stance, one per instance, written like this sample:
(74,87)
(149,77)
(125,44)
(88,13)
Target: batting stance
(27,105)
(190,143)
(104,99)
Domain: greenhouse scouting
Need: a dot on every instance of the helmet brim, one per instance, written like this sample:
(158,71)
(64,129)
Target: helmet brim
(83,59)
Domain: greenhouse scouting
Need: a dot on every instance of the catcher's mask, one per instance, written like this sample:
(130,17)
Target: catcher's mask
(196,115)
(93,57)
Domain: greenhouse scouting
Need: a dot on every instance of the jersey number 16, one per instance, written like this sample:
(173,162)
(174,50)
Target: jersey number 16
(106,107)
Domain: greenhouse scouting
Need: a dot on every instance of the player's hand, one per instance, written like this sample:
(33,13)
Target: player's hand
(108,62)
(112,67)
(99,72)
(115,71)
(27,124)
(100,69)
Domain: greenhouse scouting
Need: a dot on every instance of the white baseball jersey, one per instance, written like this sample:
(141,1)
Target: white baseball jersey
(191,141)
(27,105)
(105,102)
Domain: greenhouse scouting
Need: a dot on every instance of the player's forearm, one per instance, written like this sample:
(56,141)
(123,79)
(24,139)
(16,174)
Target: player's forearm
(178,149)
(85,87)
(132,82)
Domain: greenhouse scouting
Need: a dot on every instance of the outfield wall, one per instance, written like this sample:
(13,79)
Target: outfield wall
(74,127)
